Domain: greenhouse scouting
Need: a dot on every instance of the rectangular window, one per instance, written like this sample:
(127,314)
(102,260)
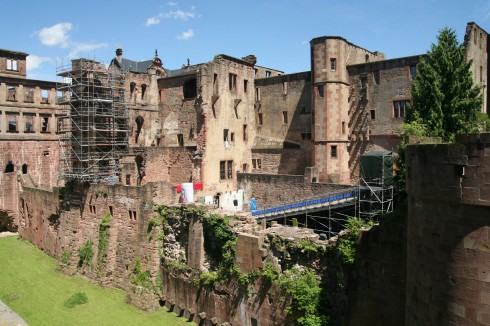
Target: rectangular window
(232,137)
(111,210)
(232,82)
(285,117)
(226,170)
(29,95)
(474,35)
(244,167)
(245,85)
(260,119)
(343,127)
(12,121)
(373,114)
(215,84)
(267,73)
(399,108)
(413,72)
(306,135)
(225,135)
(29,123)
(12,65)
(245,134)
(256,71)
(257,94)
(180,139)
(44,96)
(11,93)
(320,90)
(333,151)
(44,123)
(284,88)
(376,76)
(229,169)
(333,64)
(481,74)
(257,163)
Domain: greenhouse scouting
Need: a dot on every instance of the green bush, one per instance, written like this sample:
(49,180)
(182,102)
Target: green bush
(347,244)
(104,227)
(76,299)
(85,254)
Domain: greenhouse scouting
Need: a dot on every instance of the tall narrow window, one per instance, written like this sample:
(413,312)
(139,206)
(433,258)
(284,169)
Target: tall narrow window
(215,84)
(260,119)
(29,95)
(244,167)
(333,151)
(376,76)
(256,71)
(245,85)
(413,72)
(474,35)
(232,82)
(143,91)
(229,169)
(267,73)
(132,86)
(226,170)
(180,139)
(44,96)
(45,123)
(333,64)
(320,90)
(245,135)
(12,65)
(343,127)
(29,123)
(481,74)
(11,93)
(12,121)
(284,88)
(257,94)
(285,117)
(225,135)
(222,170)
(373,114)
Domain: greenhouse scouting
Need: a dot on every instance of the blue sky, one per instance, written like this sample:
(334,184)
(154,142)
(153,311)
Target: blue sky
(276,31)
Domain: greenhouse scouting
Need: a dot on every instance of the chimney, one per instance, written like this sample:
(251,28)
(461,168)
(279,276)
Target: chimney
(119,54)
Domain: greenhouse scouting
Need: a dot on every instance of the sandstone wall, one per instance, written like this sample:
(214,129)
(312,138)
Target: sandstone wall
(447,254)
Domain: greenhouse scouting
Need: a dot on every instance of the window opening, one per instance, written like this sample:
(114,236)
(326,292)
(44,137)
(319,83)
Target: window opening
(333,151)
(376,77)
(190,88)
(333,64)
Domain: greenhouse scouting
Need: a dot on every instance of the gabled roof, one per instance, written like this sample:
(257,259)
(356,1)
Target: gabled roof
(131,65)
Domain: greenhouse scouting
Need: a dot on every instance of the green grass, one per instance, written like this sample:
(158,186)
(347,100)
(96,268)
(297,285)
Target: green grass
(32,287)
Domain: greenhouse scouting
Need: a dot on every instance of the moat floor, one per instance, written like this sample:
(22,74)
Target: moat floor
(10,318)
(32,287)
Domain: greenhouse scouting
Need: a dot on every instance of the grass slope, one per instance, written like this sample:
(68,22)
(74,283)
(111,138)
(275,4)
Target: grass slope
(31,286)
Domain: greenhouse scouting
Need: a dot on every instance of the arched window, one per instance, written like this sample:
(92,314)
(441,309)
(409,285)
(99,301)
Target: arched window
(9,167)
(139,124)
(143,90)
(132,86)
(24,168)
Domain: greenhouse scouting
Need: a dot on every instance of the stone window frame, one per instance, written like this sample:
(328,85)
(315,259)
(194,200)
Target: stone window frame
(412,72)
(11,64)
(225,170)
(232,82)
(333,151)
(397,111)
(285,118)
(257,163)
(377,77)
(333,64)
(320,91)
(260,119)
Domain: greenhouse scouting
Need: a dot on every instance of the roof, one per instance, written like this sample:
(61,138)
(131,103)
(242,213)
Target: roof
(14,52)
(132,65)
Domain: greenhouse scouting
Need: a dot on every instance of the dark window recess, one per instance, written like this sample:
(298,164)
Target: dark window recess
(232,82)
(320,90)
(333,151)
(257,163)
(225,170)
(215,84)
(12,120)
(399,108)
(180,139)
(245,135)
(29,124)
(245,86)
(285,117)
(373,114)
(267,73)
(333,64)
(132,86)
(45,124)
(225,134)
(143,91)
(376,77)
(190,88)
(260,119)
(128,179)
(413,71)
(9,167)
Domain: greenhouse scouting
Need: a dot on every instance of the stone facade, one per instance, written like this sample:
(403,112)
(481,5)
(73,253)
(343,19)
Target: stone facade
(447,228)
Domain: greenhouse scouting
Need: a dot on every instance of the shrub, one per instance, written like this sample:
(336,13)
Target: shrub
(86,253)
(76,299)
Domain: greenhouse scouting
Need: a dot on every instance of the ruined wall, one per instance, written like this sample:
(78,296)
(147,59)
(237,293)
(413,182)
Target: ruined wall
(377,296)
(447,228)
(153,164)
(272,189)
(476,44)
(280,161)
(227,106)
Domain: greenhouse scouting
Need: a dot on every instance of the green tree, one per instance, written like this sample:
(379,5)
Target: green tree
(444,99)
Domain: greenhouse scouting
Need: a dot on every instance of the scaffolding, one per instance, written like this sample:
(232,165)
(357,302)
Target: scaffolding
(375,188)
(93,125)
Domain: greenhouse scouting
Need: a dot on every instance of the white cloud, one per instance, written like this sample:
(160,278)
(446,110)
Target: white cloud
(55,35)
(34,62)
(172,4)
(84,47)
(152,21)
(187,35)
(179,14)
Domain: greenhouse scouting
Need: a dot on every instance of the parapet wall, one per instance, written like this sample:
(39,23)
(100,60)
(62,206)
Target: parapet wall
(448,256)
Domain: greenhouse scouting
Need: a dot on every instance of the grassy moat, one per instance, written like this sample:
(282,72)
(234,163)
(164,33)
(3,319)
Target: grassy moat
(31,286)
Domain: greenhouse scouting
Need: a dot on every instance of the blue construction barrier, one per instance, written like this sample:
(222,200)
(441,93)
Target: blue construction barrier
(304,204)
